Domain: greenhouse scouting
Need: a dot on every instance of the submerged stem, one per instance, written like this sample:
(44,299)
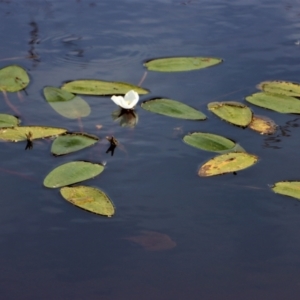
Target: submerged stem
(143,78)
(14,109)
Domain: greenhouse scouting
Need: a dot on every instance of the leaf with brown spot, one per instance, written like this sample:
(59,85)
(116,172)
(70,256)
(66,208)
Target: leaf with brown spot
(90,199)
(227,163)
(19,133)
(263,125)
(13,78)
(280,87)
(233,112)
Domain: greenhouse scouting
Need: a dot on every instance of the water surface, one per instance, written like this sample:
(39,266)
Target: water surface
(234,238)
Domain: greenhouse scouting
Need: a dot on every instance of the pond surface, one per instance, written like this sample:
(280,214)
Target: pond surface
(225,237)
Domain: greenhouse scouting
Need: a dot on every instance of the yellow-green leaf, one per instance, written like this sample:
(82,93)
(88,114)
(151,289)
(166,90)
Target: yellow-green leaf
(20,133)
(179,64)
(263,125)
(288,188)
(281,88)
(13,79)
(101,88)
(8,121)
(233,112)
(90,199)
(227,163)
(280,103)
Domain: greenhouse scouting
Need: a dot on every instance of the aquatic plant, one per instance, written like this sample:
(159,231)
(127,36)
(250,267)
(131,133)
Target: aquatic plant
(280,96)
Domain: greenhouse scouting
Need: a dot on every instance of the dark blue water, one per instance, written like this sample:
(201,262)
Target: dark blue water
(235,239)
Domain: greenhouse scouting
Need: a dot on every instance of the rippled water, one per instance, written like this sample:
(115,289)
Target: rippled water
(234,238)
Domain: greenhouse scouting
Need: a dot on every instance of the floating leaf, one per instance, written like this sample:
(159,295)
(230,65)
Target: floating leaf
(178,64)
(281,88)
(173,108)
(8,121)
(71,173)
(90,199)
(13,79)
(279,103)
(233,112)
(66,104)
(209,141)
(72,109)
(153,241)
(53,94)
(101,88)
(227,163)
(263,125)
(19,133)
(287,188)
(72,142)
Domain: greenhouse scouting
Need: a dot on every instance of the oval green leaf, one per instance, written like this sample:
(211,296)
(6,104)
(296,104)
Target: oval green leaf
(172,108)
(263,125)
(66,104)
(8,121)
(101,88)
(233,112)
(90,199)
(227,163)
(53,94)
(209,142)
(72,142)
(288,188)
(72,109)
(19,133)
(281,88)
(13,79)
(179,64)
(279,103)
(71,173)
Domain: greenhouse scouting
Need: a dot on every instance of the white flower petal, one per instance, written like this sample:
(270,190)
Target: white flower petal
(125,104)
(129,101)
(132,98)
(131,95)
(117,99)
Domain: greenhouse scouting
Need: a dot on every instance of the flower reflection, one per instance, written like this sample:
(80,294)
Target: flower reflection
(126,117)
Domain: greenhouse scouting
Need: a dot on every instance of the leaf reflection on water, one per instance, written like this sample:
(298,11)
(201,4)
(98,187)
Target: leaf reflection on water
(152,241)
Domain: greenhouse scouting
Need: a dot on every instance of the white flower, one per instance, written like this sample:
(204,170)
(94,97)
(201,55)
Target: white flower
(128,101)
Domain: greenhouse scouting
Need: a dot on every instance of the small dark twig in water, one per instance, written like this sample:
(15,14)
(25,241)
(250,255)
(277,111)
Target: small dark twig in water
(113,144)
